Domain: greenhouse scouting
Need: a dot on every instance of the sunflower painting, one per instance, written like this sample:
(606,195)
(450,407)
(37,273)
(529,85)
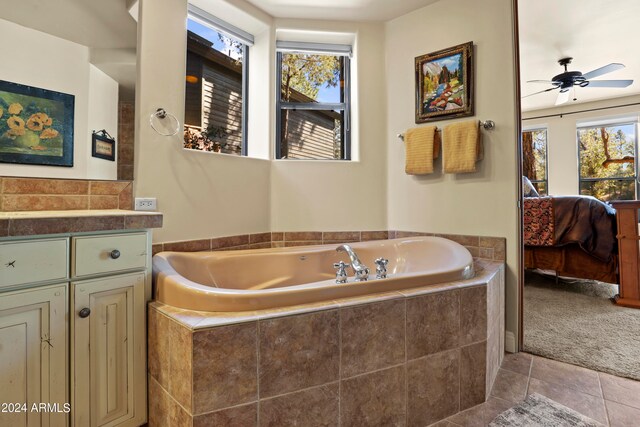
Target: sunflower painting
(36,125)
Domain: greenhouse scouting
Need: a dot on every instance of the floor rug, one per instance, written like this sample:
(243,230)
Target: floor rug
(574,321)
(539,411)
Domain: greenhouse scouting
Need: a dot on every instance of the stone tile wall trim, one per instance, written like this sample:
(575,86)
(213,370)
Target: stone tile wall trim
(42,194)
(490,248)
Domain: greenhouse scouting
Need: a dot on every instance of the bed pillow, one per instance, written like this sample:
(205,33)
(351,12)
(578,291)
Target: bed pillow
(528,190)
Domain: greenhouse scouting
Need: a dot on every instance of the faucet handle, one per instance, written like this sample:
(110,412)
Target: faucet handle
(381,268)
(341,274)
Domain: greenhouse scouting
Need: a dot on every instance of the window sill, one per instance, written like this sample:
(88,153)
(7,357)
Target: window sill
(213,153)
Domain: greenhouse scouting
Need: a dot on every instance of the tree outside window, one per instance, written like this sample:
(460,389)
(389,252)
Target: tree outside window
(312,107)
(607,161)
(534,159)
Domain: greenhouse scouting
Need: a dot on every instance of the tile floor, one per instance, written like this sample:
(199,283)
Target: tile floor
(611,400)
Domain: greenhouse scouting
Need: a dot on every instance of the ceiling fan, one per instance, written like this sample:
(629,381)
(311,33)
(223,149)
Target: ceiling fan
(567,80)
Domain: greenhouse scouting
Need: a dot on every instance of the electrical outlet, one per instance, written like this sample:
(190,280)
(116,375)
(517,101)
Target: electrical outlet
(146,204)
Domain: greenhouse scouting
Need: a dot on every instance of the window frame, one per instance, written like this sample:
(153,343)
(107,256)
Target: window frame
(544,181)
(247,40)
(345,106)
(606,124)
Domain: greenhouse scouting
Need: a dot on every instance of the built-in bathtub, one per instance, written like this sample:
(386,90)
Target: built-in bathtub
(412,349)
(258,279)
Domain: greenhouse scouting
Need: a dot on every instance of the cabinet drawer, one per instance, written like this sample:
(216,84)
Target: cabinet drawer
(108,254)
(33,261)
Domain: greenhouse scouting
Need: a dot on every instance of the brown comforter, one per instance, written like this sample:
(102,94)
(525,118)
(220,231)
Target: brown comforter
(561,220)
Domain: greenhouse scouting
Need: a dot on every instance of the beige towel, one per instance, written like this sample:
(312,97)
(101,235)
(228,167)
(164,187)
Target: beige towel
(422,145)
(462,147)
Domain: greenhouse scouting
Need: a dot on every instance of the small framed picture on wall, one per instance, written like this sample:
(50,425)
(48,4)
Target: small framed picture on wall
(103,146)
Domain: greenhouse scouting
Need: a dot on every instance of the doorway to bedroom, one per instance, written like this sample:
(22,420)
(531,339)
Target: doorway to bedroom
(580,108)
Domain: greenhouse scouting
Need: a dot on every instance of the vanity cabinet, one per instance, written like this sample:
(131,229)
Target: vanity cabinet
(33,354)
(109,351)
(72,329)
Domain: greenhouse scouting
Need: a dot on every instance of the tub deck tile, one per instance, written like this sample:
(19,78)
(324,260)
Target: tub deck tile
(433,323)
(374,399)
(367,299)
(298,352)
(238,416)
(316,406)
(372,337)
(433,388)
(224,367)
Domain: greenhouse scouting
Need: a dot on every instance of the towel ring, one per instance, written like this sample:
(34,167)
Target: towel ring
(160,115)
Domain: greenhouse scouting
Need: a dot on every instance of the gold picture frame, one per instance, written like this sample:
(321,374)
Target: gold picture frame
(444,84)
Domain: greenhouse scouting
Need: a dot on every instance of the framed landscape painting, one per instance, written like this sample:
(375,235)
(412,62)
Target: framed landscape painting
(444,84)
(36,125)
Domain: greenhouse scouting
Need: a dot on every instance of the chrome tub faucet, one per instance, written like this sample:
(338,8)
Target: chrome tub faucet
(361,271)
(381,268)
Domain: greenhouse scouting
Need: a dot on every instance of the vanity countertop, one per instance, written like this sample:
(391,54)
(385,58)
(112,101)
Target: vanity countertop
(29,223)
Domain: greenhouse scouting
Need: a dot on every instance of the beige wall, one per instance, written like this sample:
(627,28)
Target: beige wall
(562,146)
(201,194)
(102,114)
(334,195)
(481,203)
(61,66)
(204,195)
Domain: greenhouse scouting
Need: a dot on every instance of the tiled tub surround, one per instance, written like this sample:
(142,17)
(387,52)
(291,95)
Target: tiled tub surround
(36,194)
(492,248)
(399,358)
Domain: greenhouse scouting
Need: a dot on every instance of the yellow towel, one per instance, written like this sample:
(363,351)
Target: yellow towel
(462,147)
(422,145)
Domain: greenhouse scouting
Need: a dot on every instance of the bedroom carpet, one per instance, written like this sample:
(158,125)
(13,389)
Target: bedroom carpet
(574,321)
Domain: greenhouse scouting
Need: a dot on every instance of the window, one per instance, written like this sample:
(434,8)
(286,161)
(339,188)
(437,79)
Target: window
(313,101)
(607,161)
(534,159)
(216,85)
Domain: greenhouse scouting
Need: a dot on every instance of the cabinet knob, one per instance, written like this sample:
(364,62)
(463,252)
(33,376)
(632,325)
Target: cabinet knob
(115,254)
(85,312)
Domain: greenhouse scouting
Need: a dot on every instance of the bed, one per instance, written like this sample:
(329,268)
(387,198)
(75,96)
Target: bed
(573,235)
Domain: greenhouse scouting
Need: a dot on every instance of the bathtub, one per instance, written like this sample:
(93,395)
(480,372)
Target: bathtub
(256,279)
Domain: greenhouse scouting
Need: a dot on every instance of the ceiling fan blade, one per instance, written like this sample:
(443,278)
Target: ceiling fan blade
(609,83)
(603,70)
(550,82)
(562,97)
(542,91)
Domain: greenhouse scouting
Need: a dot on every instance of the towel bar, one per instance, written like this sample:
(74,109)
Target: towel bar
(487,125)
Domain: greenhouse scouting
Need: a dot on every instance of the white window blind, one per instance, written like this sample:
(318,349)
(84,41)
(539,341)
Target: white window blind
(314,48)
(223,27)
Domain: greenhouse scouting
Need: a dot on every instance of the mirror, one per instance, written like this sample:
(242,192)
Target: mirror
(68,69)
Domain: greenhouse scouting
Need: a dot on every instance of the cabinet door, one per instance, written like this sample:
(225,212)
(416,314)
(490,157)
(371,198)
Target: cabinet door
(109,351)
(33,357)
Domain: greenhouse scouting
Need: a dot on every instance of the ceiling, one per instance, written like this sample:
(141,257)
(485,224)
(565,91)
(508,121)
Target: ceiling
(93,23)
(343,10)
(105,26)
(593,32)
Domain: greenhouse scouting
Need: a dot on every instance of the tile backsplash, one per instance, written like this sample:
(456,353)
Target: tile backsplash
(491,248)
(39,194)
(126,125)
